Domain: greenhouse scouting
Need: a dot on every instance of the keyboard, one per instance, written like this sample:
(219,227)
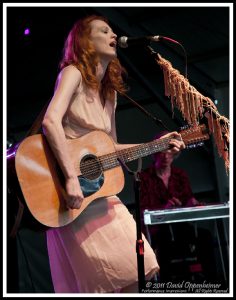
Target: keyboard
(203,212)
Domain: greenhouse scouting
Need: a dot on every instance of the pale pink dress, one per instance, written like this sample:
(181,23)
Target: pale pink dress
(97,252)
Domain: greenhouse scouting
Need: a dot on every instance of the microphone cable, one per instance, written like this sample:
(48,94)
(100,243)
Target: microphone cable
(178,43)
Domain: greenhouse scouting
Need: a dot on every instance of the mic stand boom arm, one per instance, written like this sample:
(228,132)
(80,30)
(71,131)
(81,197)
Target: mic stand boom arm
(147,113)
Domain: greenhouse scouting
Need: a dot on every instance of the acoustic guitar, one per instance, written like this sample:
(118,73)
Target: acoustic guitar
(97,164)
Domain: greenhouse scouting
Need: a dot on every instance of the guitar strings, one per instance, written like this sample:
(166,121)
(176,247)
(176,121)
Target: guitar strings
(123,152)
(110,160)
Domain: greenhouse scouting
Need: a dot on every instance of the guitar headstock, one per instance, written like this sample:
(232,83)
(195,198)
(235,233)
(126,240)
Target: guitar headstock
(194,136)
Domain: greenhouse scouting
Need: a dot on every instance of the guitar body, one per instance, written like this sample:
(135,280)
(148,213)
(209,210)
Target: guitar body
(97,166)
(42,183)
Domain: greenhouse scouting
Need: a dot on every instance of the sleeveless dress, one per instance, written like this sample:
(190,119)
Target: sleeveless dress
(96,253)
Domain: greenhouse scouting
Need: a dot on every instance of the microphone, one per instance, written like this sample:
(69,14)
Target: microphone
(125,41)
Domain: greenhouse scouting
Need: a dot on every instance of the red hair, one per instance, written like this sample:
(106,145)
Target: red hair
(79,51)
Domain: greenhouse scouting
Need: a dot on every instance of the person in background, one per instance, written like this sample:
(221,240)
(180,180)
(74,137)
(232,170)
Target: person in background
(96,253)
(165,186)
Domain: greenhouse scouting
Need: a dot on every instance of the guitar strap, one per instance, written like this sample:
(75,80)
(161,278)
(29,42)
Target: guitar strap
(34,129)
(140,107)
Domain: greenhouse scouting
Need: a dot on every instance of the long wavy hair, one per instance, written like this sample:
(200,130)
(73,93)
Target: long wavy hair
(79,51)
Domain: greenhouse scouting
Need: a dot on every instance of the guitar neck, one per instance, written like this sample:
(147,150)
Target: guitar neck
(129,154)
(143,150)
(190,136)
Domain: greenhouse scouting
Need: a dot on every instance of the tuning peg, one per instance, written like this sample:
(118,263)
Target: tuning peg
(195,145)
(184,127)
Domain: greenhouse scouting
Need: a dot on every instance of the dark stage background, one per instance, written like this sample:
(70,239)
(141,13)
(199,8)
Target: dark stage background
(32,67)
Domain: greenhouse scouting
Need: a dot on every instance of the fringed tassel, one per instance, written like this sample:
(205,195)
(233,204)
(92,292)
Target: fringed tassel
(220,143)
(192,105)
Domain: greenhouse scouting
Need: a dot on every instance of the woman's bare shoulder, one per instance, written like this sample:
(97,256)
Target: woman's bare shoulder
(71,70)
(69,75)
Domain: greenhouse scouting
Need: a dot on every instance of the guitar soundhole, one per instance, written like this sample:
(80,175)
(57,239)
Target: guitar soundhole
(92,178)
(90,167)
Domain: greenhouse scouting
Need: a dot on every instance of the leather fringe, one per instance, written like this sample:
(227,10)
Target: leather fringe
(193,106)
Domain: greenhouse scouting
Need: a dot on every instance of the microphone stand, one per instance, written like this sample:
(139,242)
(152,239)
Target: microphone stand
(139,241)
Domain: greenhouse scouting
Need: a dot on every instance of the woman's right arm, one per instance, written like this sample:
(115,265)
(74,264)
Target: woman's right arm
(68,81)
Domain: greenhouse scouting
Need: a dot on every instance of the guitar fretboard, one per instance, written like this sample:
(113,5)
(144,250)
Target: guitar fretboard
(126,155)
(114,159)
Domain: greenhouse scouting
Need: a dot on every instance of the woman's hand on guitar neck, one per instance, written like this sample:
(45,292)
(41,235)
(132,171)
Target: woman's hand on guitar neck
(176,142)
(74,195)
